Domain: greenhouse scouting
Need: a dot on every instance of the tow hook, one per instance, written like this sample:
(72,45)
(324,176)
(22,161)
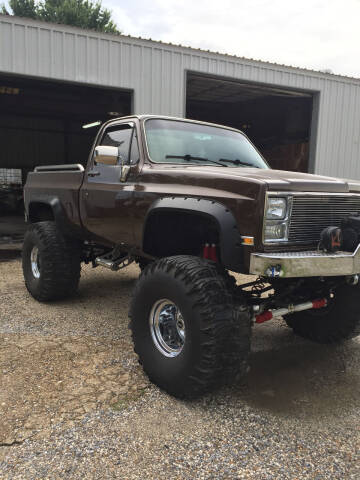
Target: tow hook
(269,314)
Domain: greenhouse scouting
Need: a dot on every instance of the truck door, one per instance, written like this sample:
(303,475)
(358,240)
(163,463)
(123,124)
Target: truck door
(105,200)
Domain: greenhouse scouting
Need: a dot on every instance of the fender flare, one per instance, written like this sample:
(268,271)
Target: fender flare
(60,216)
(230,239)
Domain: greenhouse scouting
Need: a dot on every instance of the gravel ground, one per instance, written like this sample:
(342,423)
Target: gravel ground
(75,404)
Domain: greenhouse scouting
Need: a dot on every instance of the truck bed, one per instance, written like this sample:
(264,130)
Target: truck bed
(62,182)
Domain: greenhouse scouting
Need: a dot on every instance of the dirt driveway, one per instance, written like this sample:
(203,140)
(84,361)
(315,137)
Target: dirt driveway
(75,404)
(60,361)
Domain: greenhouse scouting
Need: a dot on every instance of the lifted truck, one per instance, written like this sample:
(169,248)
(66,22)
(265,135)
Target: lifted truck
(190,202)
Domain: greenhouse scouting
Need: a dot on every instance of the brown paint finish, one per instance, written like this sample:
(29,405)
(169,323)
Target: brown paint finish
(106,203)
(213,183)
(112,212)
(43,186)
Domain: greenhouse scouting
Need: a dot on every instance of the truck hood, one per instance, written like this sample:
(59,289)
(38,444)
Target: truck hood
(297,181)
(278,180)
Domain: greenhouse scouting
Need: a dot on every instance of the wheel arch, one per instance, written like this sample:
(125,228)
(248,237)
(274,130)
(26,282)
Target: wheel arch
(208,212)
(45,208)
(40,207)
(40,211)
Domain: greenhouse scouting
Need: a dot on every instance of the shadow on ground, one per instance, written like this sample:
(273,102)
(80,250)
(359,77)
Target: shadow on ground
(291,376)
(107,288)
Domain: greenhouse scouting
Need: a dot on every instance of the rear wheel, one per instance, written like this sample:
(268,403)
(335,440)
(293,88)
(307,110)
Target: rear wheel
(188,334)
(337,322)
(51,262)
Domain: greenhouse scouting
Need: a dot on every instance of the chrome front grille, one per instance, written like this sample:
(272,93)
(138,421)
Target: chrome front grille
(312,213)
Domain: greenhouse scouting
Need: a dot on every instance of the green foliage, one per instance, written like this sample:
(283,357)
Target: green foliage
(21,8)
(79,13)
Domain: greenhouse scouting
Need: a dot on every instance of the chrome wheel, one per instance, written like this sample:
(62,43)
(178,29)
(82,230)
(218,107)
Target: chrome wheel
(167,327)
(35,262)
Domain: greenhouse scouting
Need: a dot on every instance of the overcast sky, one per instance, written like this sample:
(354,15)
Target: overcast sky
(317,34)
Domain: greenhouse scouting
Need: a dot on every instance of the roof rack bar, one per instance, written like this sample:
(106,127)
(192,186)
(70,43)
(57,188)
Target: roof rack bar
(73,167)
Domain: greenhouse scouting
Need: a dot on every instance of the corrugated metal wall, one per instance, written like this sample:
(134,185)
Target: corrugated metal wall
(157,74)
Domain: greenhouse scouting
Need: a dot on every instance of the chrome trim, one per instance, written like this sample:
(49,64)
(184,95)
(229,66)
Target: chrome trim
(73,167)
(125,170)
(286,219)
(167,328)
(305,264)
(290,196)
(314,194)
(35,262)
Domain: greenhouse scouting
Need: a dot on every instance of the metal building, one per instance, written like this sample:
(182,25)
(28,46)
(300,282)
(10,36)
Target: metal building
(55,78)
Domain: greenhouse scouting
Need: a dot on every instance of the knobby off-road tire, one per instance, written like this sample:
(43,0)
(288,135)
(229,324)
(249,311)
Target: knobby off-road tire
(51,262)
(338,322)
(216,346)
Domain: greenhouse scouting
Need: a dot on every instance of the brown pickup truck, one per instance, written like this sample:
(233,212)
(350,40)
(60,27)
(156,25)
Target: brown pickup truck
(191,202)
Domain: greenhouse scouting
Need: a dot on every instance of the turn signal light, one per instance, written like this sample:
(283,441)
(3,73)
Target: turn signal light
(247,241)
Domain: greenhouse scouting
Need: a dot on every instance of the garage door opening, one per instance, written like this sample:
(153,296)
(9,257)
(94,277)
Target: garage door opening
(277,121)
(41,123)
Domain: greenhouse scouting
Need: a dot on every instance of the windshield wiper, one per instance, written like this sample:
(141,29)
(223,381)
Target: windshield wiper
(188,158)
(237,162)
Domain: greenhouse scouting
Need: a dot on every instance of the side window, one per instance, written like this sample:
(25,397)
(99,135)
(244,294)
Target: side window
(119,136)
(134,151)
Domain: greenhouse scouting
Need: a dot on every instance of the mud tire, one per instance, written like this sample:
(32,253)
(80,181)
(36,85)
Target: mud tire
(59,259)
(336,323)
(217,343)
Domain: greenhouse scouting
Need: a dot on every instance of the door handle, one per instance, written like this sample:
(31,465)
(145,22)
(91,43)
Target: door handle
(93,173)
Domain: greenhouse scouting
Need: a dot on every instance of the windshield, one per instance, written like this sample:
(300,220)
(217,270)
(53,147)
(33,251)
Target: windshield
(173,141)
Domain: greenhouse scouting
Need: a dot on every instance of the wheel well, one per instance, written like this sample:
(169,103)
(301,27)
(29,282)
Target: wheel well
(176,233)
(39,212)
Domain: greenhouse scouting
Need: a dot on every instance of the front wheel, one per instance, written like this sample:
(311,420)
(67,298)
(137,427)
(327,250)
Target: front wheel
(337,322)
(188,334)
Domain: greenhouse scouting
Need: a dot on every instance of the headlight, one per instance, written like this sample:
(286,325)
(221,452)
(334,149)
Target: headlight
(276,208)
(276,224)
(275,231)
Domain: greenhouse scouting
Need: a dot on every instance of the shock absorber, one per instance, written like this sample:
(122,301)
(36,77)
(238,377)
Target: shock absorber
(269,314)
(209,252)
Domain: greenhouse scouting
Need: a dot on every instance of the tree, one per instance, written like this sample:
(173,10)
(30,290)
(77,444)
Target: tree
(79,13)
(21,8)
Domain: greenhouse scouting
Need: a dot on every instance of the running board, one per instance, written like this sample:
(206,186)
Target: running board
(114,264)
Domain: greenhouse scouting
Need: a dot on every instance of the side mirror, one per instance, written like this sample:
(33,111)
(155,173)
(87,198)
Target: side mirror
(106,155)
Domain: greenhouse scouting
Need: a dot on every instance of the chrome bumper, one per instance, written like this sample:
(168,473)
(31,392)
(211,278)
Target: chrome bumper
(305,264)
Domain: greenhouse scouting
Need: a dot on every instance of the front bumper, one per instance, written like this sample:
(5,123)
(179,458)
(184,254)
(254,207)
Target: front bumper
(305,264)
